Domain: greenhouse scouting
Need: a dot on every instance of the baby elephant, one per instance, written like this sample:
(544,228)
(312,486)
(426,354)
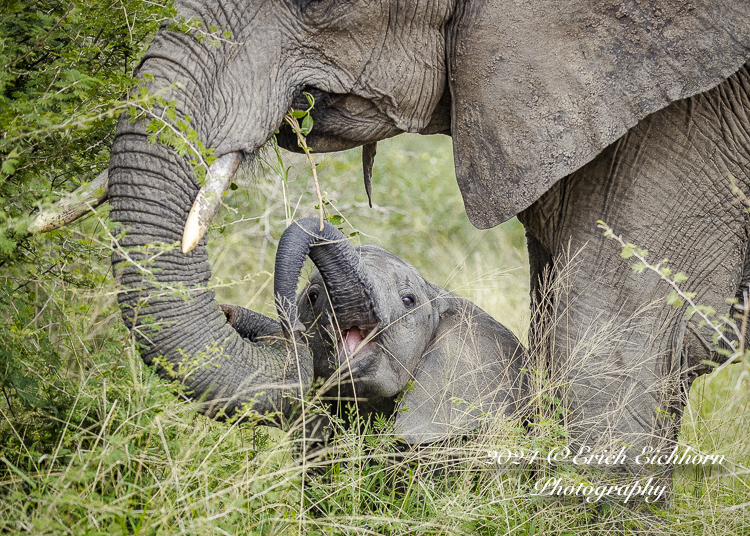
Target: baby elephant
(374,325)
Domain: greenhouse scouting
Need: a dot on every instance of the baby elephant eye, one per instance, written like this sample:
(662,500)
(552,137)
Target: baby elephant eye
(408,301)
(313,295)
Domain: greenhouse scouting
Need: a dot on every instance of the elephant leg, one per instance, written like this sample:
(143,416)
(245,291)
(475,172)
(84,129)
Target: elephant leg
(620,355)
(540,264)
(541,269)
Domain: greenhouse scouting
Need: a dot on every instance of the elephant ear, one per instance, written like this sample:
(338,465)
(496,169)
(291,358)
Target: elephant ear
(471,367)
(540,88)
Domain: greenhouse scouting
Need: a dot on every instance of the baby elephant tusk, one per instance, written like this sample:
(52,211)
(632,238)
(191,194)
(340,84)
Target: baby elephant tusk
(73,206)
(207,202)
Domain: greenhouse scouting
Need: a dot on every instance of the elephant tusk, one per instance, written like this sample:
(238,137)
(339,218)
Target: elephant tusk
(73,206)
(207,202)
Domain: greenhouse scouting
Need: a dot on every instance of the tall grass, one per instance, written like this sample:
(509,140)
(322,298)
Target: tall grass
(127,455)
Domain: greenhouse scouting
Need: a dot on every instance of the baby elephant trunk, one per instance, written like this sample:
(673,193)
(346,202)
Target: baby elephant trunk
(349,286)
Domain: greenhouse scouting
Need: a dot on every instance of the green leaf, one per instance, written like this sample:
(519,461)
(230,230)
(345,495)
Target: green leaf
(310,100)
(674,299)
(307,124)
(10,163)
(335,219)
(705,309)
(679,277)
(299,114)
(7,244)
(233,187)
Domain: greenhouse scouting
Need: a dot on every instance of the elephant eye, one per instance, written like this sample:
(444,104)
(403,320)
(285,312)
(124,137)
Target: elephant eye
(313,296)
(408,301)
(313,9)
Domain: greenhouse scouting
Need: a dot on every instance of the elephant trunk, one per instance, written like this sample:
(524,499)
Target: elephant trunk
(164,296)
(349,286)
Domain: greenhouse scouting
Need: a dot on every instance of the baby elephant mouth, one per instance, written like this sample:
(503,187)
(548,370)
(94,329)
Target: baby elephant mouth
(351,343)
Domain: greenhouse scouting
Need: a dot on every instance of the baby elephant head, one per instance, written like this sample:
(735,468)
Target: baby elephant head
(374,324)
(381,358)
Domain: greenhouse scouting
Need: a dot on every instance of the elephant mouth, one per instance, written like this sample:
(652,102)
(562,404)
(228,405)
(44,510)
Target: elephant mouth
(353,343)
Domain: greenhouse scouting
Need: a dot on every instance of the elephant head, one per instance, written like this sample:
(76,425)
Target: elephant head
(530,92)
(374,324)
(235,98)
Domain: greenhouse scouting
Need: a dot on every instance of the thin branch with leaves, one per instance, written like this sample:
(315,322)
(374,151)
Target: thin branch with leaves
(735,350)
(301,130)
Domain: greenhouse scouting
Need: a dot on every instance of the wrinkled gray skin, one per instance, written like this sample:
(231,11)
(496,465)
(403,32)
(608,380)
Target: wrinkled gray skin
(561,111)
(402,329)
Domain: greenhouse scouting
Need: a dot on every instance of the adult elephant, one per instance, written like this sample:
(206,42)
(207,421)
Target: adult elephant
(561,111)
